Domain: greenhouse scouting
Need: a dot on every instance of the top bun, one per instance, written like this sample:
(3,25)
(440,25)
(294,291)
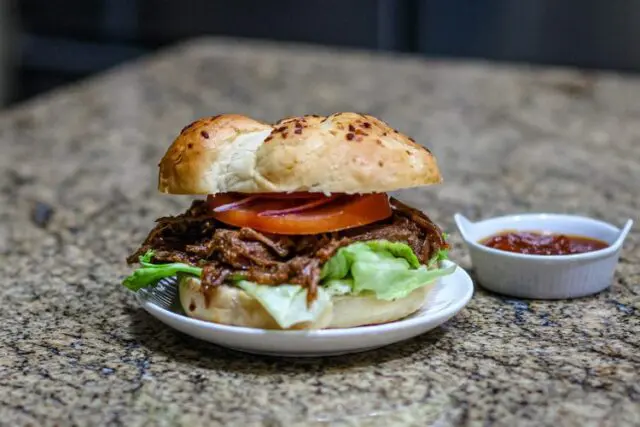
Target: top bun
(341,153)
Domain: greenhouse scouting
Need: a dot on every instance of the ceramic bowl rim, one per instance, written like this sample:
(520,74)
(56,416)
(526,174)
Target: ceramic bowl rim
(543,216)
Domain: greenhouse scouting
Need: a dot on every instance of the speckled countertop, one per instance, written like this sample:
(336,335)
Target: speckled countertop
(77,192)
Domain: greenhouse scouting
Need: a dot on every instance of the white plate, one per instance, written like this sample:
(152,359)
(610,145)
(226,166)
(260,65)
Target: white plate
(449,296)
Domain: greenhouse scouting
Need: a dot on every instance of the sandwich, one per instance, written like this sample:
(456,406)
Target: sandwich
(293,227)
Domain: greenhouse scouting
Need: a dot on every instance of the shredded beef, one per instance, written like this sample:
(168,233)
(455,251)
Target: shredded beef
(214,274)
(196,238)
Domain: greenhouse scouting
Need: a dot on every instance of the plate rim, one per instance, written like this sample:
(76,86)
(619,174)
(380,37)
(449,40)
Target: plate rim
(446,313)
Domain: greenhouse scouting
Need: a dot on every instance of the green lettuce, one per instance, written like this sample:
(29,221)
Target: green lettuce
(338,287)
(389,270)
(149,274)
(441,255)
(287,304)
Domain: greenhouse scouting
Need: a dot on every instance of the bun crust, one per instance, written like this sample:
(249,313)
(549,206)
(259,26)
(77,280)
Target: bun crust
(212,155)
(341,153)
(233,306)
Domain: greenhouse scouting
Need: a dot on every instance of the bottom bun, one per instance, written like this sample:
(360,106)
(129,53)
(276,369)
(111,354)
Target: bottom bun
(351,311)
(233,306)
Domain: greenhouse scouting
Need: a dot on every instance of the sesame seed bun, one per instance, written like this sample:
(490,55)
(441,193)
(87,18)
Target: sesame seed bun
(341,153)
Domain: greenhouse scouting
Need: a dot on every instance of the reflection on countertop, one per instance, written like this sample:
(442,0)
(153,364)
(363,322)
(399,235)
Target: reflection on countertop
(77,193)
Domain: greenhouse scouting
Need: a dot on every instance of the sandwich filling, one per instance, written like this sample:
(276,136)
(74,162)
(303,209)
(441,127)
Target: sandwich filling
(294,275)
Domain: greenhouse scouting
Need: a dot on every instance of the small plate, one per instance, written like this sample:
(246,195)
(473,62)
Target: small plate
(449,296)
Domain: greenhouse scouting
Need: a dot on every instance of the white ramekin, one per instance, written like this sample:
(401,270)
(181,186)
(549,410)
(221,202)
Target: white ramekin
(543,276)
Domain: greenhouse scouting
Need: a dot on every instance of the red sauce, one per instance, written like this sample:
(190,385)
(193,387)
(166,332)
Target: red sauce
(542,243)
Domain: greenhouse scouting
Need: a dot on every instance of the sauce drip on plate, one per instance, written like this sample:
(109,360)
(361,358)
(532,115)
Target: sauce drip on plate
(542,243)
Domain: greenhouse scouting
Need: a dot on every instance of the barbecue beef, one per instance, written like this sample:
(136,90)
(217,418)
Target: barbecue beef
(198,239)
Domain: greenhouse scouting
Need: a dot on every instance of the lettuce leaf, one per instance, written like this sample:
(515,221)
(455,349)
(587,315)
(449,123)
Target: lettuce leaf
(287,304)
(338,287)
(149,274)
(441,255)
(388,269)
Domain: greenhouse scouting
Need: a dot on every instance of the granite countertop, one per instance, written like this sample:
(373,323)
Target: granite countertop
(77,193)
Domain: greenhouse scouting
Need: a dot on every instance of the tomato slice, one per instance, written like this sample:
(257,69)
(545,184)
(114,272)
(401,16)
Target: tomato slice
(342,212)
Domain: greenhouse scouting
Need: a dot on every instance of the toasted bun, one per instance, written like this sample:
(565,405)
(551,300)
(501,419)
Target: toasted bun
(341,153)
(233,306)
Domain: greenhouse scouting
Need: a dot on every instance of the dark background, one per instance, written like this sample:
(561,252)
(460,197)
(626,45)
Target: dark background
(58,41)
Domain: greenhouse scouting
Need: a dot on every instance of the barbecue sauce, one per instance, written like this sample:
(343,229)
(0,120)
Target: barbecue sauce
(542,243)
